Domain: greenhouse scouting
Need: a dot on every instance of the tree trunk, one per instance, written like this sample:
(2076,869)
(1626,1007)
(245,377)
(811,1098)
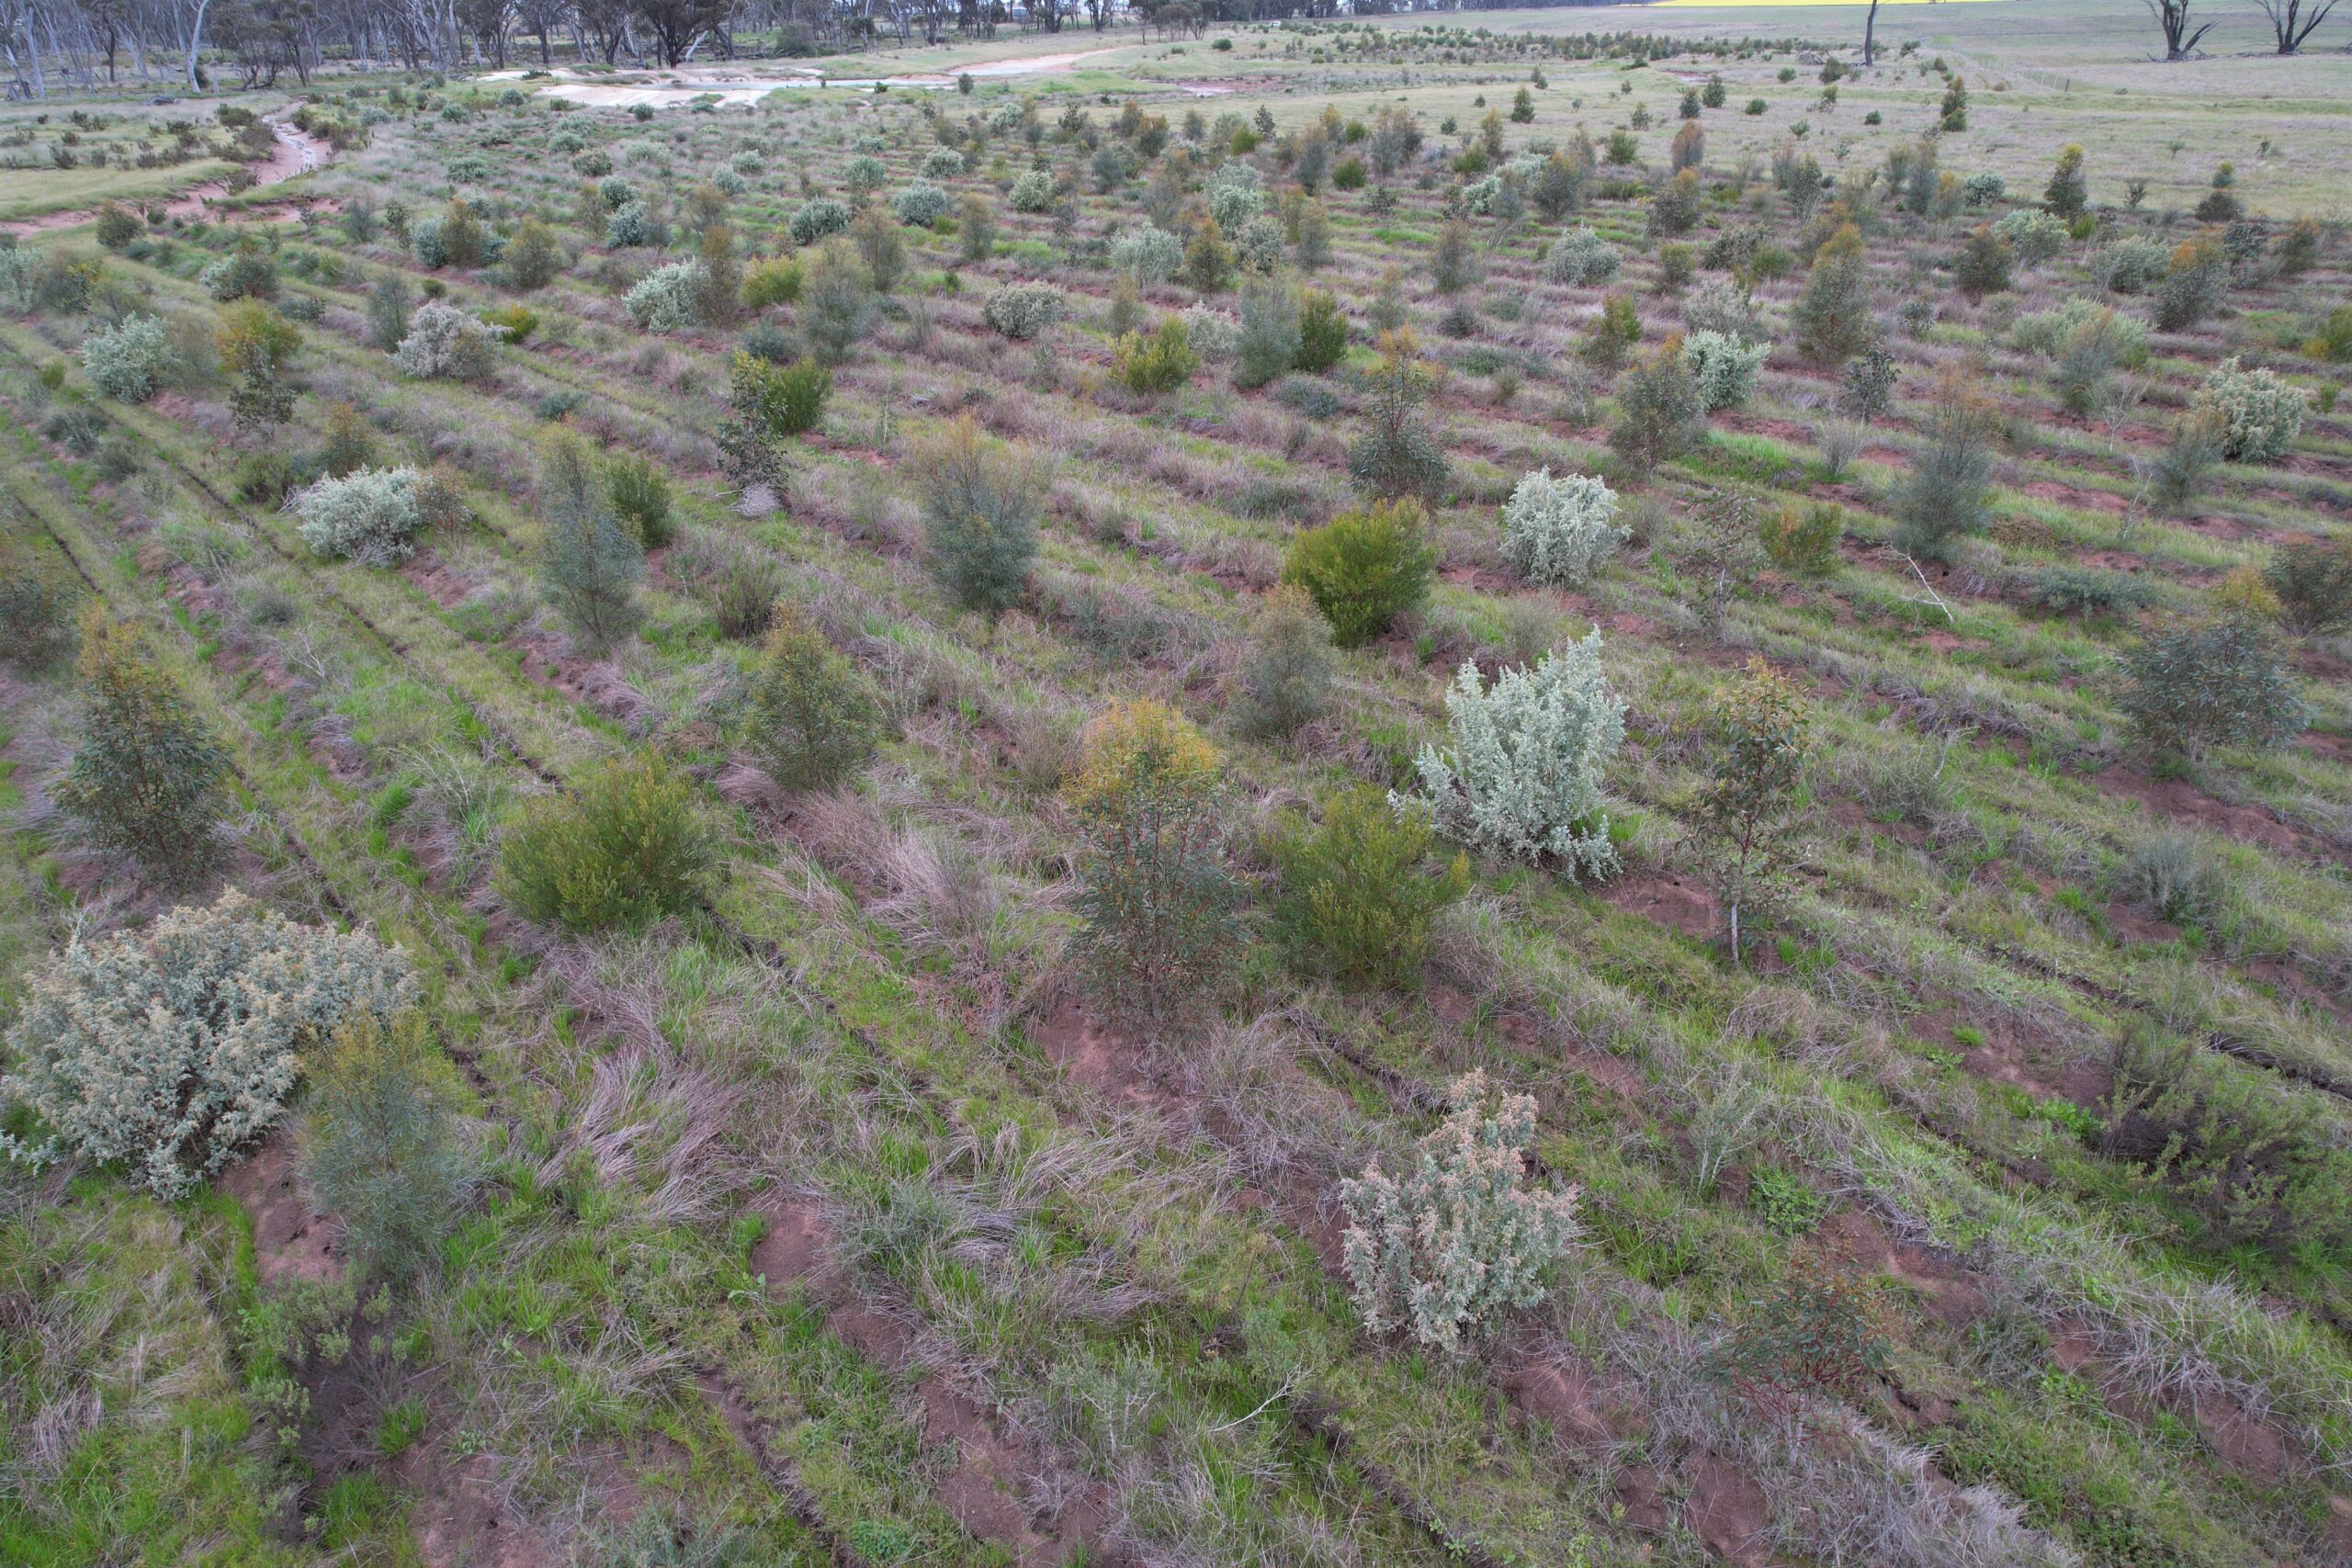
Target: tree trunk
(195,44)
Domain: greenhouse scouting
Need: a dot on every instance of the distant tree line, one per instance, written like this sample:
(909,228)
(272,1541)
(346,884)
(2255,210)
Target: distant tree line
(67,45)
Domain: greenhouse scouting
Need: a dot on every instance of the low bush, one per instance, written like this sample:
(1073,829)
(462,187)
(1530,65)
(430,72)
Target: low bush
(172,1049)
(129,360)
(1445,1251)
(1032,192)
(627,847)
(1723,367)
(369,516)
(1357,901)
(1283,681)
(1150,255)
(444,344)
(2260,415)
(1581,257)
(1022,310)
(2312,577)
(669,299)
(383,1147)
(1560,531)
(1160,363)
(920,204)
(2191,684)
(817,217)
(814,719)
(1158,908)
(1524,774)
(1364,569)
(2172,875)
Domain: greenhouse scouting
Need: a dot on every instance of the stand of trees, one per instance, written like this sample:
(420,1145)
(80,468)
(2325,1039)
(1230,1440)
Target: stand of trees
(48,46)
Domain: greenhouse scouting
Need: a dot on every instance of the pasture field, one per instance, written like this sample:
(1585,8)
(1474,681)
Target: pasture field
(901,670)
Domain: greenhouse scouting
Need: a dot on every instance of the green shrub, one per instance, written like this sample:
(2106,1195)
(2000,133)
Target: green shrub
(2178,470)
(1660,415)
(173,1048)
(837,304)
(383,1147)
(590,563)
(1614,331)
(1948,495)
(1814,1333)
(147,781)
(2254,1166)
(2086,591)
(1154,365)
(627,847)
(768,403)
(1457,1241)
(1832,317)
(1270,335)
(1149,255)
(980,518)
(1356,901)
(2172,875)
(1156,905)
(1364,569)
(1284,683)
(814,719)
(2311,577)
(1398,456)
(2195,281)
(118,227)
(639,490)
(388,304)
(1322,331)
(1742,823)
(36,618)
(242,275)
(2191,684)
(533,258)
(774,280)
(1800,539)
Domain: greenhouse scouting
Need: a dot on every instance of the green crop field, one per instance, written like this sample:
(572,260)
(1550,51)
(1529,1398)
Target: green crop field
(1562,787)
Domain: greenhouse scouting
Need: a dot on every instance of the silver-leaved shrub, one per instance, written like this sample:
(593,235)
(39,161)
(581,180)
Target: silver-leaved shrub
(1560,530)
(1458,1238)
(371,516)
(170,1049)
(1524,776)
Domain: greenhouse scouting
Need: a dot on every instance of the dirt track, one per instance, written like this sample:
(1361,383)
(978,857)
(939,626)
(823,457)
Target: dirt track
(295,152)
